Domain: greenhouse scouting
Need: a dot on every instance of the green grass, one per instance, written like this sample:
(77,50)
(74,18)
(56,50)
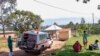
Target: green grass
(67,50)
(3,43)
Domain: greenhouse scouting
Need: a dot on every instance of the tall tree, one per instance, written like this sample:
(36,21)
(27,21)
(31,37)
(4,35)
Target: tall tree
(99,21)
(5,10)
(82,26)
(82,21)
(23,21)
(71,25)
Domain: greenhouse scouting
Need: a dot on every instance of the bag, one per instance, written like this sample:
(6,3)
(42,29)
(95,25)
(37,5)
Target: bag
(91,47)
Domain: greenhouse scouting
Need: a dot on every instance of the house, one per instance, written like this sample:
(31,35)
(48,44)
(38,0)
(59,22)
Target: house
(58,33)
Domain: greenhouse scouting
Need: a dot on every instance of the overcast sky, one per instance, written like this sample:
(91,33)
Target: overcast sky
(73,8)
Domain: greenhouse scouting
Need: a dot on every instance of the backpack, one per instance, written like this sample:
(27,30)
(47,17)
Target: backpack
(91,47)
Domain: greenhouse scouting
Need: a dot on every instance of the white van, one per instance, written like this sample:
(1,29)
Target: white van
(34,41)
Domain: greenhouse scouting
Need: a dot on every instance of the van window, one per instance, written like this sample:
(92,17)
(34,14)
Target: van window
(42,37)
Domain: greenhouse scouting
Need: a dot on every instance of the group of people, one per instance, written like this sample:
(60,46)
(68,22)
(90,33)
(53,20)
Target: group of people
(77,46)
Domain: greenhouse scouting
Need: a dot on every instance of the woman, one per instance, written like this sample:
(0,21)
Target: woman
(77,46)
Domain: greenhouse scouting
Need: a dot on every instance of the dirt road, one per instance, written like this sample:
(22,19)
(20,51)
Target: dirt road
(17,52)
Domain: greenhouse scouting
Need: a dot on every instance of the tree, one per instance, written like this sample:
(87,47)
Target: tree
(71,25)
(84,1)
(82,21)
(55,23)
(82,26)
(23,21)
(76,26)
(5,9)
(99,21)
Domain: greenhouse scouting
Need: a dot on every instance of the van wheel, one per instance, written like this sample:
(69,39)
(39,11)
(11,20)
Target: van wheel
(38,52)
(42,48)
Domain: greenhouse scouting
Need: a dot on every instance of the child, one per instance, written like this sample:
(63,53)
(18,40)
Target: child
(77,47)
(96,44)
(85,36)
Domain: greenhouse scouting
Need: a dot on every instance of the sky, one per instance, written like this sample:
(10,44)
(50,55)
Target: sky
(70,8)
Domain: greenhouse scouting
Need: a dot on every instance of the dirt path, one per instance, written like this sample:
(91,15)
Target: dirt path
(17,52)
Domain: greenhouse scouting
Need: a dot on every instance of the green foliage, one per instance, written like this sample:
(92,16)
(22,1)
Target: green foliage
(99,21)
(71,25)
(96,29)
(75,35)
(23,21)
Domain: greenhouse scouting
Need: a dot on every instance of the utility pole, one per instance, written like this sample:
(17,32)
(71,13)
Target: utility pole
(93,18)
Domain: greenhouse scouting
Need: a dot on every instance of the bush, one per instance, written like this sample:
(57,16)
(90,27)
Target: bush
(95,30)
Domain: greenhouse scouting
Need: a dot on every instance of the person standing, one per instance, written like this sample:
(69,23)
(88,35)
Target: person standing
(85,36)
(10,46)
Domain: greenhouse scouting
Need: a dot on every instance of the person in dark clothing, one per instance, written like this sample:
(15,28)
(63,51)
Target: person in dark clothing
(10,46)
(77,46)
(91,47)
(95,46)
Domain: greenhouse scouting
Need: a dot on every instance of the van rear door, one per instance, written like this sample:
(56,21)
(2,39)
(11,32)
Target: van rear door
(31,41)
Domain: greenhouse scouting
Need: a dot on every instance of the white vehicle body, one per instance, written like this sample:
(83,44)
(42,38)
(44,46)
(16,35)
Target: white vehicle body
(34,40)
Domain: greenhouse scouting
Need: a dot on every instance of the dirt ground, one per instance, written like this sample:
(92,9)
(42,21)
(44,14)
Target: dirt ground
(48,52)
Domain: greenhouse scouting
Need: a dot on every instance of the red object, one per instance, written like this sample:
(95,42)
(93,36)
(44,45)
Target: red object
(77,47)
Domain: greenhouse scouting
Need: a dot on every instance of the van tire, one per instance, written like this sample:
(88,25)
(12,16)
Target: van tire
(37,52)
(42,48)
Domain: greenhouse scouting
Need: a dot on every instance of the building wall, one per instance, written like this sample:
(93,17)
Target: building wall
(64,34)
